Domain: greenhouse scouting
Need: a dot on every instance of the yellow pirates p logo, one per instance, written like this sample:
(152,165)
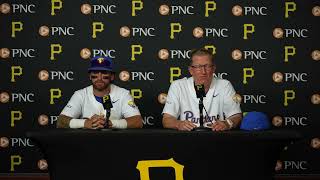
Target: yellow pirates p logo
(100,60)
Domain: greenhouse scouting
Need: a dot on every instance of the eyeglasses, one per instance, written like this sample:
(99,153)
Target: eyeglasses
(199,67)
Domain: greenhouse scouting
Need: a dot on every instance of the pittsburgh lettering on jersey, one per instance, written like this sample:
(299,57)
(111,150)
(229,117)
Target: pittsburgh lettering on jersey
(206,119)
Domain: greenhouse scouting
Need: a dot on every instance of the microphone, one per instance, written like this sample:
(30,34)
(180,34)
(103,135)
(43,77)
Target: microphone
(107,105)
(200,91)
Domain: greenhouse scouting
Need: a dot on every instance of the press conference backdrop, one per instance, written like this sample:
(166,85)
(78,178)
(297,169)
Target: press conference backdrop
(269,50)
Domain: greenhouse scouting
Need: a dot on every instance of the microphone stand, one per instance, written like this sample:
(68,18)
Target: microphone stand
(106,128)
(201,127)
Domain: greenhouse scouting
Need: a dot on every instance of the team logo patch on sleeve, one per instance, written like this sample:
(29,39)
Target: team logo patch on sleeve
(132,104)
(237,98)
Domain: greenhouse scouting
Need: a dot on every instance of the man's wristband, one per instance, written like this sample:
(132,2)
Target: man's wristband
(119,124)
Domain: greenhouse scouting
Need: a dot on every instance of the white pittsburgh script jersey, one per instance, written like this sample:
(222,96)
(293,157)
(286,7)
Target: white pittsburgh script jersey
(183,104)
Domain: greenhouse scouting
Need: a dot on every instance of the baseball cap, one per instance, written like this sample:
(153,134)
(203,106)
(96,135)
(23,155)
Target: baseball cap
(254,121)
(101,63)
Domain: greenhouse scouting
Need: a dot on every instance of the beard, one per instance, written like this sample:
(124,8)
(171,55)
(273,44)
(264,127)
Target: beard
(100,86)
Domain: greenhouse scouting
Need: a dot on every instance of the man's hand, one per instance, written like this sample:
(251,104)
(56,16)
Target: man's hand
(109,124)
(220,126)
(185,125)
(95,122)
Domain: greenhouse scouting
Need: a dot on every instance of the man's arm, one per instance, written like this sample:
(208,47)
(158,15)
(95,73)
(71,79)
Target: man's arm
(236,120)
(225,125)
(63,121)
(95,122)
(134,121)
(171,122)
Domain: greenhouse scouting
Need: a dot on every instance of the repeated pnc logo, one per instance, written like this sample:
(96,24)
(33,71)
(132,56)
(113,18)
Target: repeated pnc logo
(17,53)
(88,9)
(254,98)
(279,77)
(162,98)
(45,120)
(292,165)
(315,55)
(125,31)
(14,8)
(17,97)
(165,54)
(45,75)
(4,142)
(199,32)
(148,120)
(315,143)
(249,54)
(279,33)
(42,164)
(290,121)
(136,75)
(182,10)
(237,10)
(56,31)
(14,142)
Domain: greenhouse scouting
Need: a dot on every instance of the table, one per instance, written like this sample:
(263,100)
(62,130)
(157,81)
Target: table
(143,154)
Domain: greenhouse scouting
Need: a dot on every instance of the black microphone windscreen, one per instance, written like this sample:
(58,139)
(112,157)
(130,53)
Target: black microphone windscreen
(106,101)
(200,91)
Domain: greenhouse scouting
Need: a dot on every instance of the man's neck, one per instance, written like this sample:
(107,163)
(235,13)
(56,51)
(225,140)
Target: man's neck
(101,93)
(207,86)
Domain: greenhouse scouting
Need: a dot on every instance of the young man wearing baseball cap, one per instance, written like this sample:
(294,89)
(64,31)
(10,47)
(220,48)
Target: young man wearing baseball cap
(85,108)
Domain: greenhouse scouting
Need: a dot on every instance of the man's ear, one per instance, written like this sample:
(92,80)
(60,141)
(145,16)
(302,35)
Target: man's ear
(190,70)
(112,76)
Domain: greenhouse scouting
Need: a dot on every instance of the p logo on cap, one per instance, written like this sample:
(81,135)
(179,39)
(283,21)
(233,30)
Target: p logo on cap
(254,121)
(100,63)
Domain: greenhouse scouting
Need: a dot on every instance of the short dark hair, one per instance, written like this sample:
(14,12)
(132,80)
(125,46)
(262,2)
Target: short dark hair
(201,52)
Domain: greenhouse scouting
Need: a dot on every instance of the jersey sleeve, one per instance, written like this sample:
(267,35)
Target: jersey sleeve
(172,105)
(230,107)
(128,107)
(74,107)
